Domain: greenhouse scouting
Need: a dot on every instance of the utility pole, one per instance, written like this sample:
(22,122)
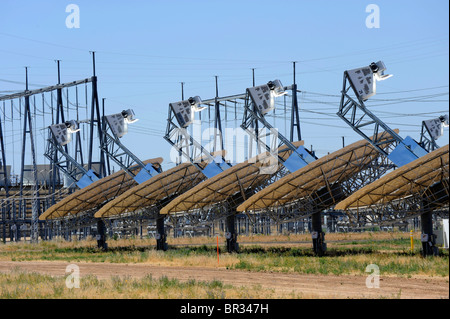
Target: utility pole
(254,125)
(95,120)
(182,91)
(295,118)
(28,129)
(217,120)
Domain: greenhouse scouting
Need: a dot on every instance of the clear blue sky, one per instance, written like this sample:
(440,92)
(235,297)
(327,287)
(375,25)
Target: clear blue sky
(146,48)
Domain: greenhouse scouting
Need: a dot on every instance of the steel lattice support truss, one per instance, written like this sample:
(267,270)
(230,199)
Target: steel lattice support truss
(179,138)
(120,154)
(59,157)
(354,112)
(250,124)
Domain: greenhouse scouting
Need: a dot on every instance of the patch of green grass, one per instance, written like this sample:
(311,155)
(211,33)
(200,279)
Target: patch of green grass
(340,261)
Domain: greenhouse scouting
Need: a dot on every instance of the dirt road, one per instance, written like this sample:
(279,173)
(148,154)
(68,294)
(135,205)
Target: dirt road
(310,286)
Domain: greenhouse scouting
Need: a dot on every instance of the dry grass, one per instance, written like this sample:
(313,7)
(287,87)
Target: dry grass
(23,285)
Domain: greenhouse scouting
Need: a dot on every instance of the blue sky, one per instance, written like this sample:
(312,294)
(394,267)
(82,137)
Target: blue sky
(144,49)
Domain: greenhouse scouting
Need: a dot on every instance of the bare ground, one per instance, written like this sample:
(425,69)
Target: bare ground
(308,286)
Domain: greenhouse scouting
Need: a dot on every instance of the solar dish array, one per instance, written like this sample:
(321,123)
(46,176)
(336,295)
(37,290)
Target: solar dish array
(365,179)
(344,179)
